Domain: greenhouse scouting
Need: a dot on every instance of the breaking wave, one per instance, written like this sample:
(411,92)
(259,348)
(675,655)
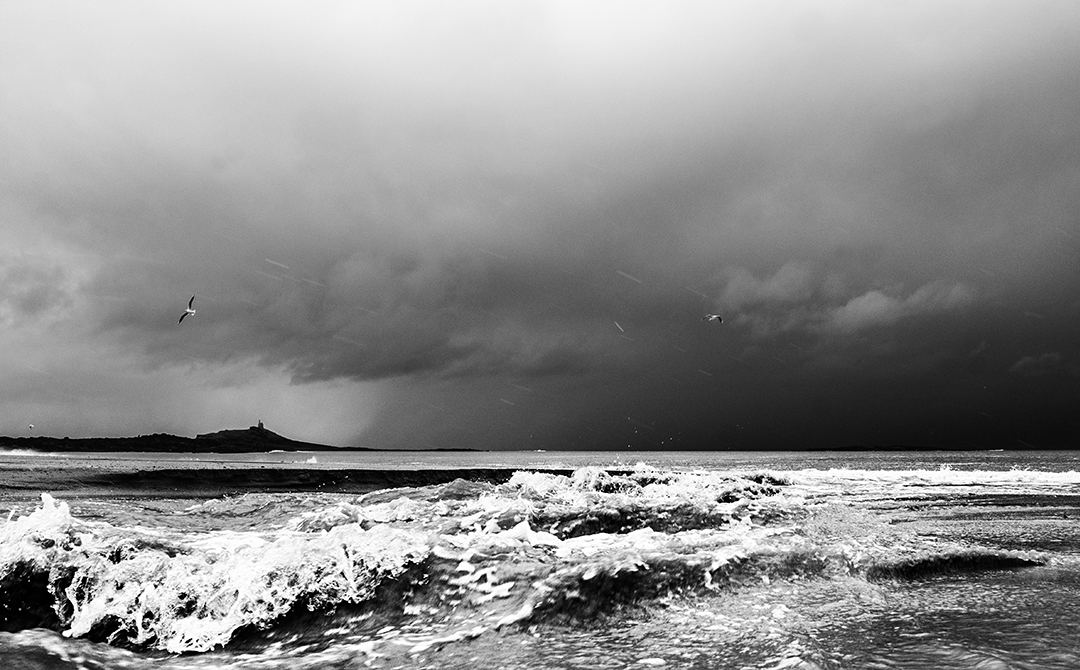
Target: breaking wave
(457,560)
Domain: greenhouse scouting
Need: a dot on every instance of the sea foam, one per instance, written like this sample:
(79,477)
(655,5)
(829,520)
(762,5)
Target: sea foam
(463,558)
(182,592)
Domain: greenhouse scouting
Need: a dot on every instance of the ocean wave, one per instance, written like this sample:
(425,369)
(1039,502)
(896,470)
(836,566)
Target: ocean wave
(944,476)
(146,588)
(456,559)
(24,452)
(934,565)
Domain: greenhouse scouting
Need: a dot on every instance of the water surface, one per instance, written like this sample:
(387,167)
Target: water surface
(611,560)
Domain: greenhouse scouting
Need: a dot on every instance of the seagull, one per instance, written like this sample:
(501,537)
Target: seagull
(713,317)
(189,310)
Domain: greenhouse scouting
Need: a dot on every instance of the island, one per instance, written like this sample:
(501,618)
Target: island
(254,439)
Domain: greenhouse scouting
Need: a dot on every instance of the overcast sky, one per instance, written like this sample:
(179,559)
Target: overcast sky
(498,225)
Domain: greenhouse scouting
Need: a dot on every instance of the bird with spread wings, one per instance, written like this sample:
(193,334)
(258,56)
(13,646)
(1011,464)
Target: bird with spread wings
(189,311)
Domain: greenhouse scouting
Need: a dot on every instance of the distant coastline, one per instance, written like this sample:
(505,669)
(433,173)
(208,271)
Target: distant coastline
(253,439)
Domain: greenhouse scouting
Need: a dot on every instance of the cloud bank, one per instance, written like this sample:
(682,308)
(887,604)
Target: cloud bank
(430,208)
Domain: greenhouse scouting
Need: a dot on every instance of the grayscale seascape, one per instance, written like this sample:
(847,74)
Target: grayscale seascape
(540,334)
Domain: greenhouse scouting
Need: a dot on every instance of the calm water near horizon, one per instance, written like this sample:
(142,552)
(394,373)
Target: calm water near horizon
(698,560)
(1050,460)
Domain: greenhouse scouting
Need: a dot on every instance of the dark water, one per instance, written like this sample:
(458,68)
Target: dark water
(682,561)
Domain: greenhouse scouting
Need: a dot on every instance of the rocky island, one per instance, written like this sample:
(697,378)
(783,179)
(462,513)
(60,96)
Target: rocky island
(253,439)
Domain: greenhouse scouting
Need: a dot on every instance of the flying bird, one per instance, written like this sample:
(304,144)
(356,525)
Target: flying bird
(713,317)
(188,311)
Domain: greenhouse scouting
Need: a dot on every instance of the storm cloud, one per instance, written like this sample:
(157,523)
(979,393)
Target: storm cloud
(498,224)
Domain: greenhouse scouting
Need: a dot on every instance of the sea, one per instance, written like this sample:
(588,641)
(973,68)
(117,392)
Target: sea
(585,560)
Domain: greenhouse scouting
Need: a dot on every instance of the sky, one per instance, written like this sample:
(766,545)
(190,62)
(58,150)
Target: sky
(498,225)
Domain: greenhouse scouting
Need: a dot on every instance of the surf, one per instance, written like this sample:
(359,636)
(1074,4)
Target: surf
(459,561)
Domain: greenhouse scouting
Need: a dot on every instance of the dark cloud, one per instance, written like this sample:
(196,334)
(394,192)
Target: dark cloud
(875,308)
(1035,366)
(29,291)
(453,203)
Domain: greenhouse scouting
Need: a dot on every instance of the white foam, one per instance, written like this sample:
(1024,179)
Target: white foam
(191,592)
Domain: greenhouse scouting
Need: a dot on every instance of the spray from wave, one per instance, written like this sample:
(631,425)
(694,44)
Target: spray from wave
(452,562)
